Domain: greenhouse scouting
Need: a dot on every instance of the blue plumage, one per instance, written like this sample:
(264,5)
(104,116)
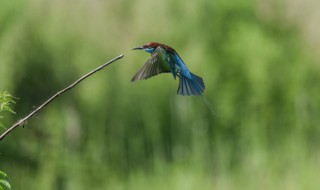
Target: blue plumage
(165,59)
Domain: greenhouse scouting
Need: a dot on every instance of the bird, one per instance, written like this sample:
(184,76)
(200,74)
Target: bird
(164,59)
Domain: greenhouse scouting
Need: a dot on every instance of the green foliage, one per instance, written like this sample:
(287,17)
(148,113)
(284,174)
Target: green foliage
(4,184)
(109,133)
(5,100)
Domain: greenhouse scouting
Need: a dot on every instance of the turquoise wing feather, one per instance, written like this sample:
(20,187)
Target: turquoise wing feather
(155,65)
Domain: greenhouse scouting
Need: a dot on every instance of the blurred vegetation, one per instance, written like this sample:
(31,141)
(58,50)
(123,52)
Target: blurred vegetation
(6,100)
(109,133)
(4,184)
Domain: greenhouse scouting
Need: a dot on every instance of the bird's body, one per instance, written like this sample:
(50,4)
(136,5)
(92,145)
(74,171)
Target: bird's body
(165,59)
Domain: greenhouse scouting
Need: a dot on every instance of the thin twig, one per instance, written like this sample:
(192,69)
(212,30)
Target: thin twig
(21,122)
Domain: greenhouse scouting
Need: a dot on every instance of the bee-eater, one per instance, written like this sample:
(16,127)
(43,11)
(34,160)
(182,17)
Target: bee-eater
(165,59)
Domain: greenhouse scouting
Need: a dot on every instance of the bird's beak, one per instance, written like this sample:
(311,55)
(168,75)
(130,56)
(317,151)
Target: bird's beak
(138,48)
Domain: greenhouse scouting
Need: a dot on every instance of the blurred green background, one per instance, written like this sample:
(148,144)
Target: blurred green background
(262,78)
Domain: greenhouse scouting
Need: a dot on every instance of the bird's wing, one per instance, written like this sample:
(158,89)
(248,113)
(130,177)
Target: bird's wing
(155,65)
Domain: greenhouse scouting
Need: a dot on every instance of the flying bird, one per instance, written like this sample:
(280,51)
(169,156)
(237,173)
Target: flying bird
(164,59)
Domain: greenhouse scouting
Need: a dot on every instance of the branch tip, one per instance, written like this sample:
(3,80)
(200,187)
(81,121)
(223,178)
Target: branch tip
(23,121)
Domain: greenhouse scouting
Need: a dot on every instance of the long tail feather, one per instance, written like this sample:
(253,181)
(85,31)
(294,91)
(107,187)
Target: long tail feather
(208,104)
(191,86)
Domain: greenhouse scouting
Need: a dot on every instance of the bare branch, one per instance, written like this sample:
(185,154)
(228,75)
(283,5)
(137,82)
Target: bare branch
(21,122)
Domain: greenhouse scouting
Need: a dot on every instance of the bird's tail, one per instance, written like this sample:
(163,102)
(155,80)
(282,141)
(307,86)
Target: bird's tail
(191,86)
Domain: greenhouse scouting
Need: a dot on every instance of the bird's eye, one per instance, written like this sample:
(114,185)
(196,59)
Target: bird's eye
(149,49)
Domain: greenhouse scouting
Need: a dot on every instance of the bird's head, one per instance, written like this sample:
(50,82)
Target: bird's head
(148,47)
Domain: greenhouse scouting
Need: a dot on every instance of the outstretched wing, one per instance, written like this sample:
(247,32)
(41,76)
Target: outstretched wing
(155,65)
